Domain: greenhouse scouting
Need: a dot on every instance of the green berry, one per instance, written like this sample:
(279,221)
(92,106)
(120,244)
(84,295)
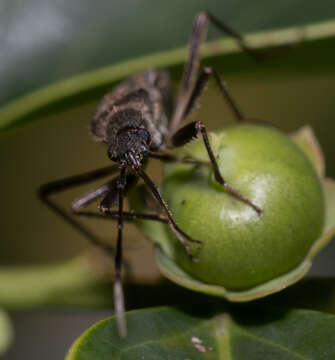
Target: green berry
(241,249)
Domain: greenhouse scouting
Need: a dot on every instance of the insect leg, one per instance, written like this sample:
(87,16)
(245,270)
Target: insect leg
(198,36)
(46,190)
(118,291)
(190,131)
(111,199)
(198,90)
(127,216)
(180,234)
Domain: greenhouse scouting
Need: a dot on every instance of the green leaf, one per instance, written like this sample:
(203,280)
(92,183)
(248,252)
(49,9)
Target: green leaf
(6,332)
(36,33)
(39,75)
(167,333)
(78,282)
(307,141)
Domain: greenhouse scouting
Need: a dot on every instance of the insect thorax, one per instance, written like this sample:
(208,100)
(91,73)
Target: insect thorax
(143,101)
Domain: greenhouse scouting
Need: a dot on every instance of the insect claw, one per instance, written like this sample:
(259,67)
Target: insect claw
(189,253)
(239,196)
(104,209)
(195,241)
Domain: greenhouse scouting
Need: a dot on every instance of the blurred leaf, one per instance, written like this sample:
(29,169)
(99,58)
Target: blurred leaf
(6,332)
(163,333)
(79,282)
(48,44)
(44,41)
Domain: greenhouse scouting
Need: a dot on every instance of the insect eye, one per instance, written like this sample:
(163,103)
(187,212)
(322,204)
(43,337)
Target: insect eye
(144,134)
(112,154)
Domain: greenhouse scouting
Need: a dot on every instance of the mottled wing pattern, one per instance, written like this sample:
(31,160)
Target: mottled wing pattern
(147,93)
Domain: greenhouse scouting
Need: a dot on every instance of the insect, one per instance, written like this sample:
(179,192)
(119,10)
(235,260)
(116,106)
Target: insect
(135,122)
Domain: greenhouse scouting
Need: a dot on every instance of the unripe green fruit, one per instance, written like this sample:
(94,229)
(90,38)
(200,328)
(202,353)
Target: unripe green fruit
(240,248)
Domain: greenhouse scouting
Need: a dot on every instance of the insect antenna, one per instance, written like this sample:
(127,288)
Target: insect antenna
(118,291)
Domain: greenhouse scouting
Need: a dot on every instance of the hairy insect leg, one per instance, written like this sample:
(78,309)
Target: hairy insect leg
(190,131)
(54,187)
(180,234)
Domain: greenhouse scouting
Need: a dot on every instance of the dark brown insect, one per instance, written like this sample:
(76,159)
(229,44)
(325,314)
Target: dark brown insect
(135,122)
